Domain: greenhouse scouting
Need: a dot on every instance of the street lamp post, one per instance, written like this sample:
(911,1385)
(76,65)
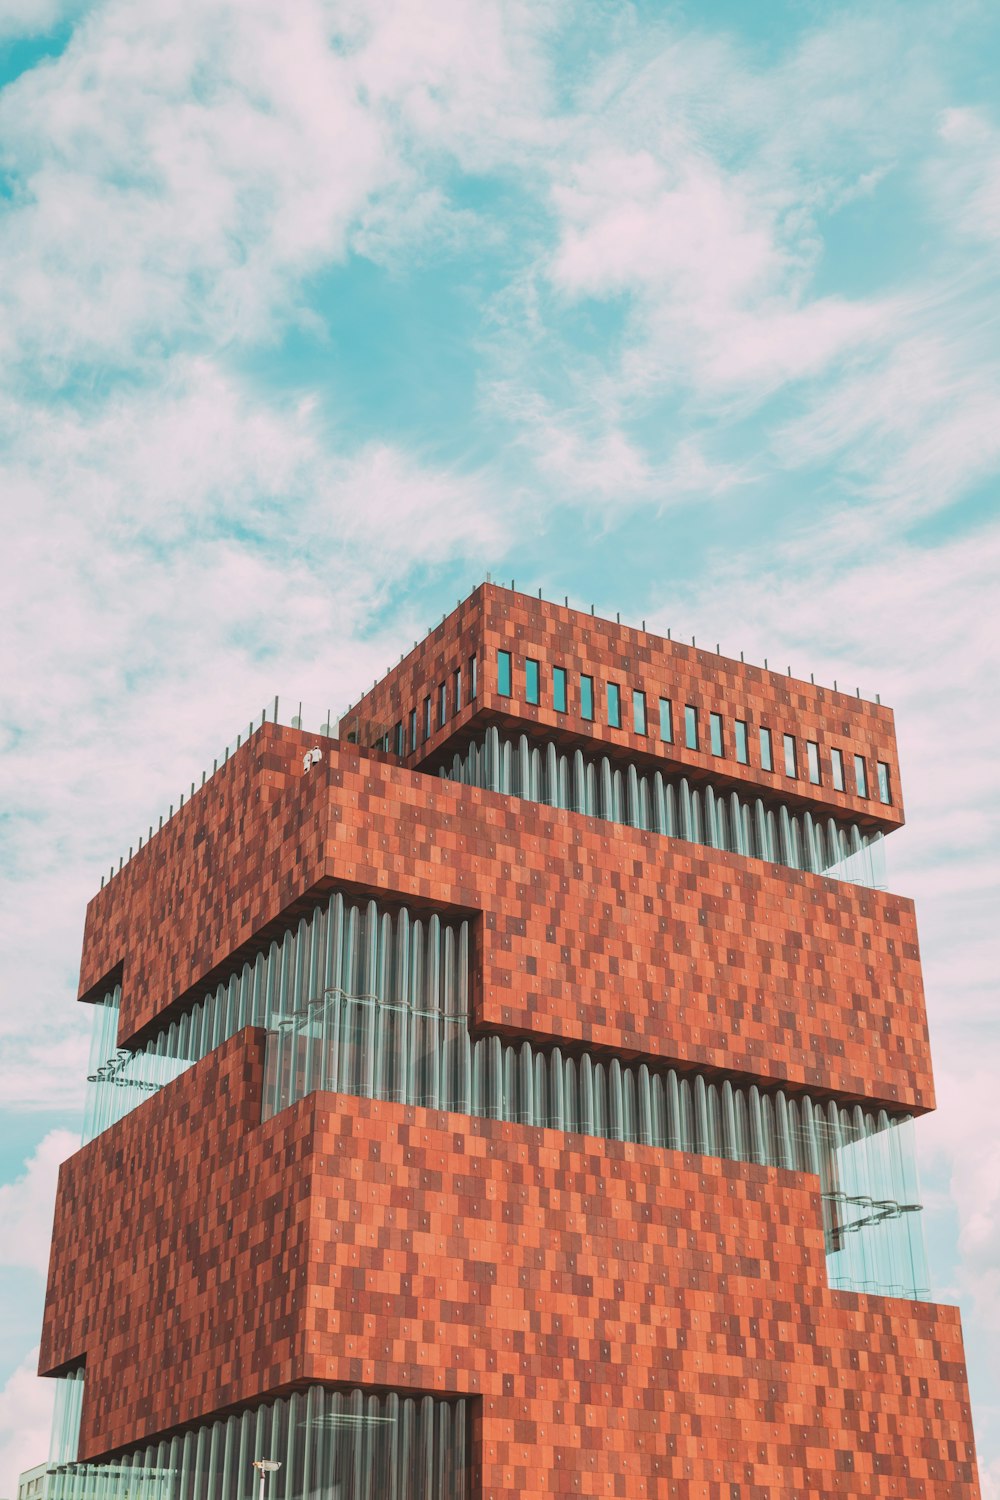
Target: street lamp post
(265,1466)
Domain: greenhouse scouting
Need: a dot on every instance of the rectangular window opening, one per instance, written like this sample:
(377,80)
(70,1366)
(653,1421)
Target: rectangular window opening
(837,770)
(791,763)
(861,775)
(884,788)
(691,727)
(614,706)
(413,729)
(715,731)
(559,689)
(586,697)
(638,711)
(442,705)
(812,756)
(503,674)
(742,744)
(472,678)
(456,689)
(428,726)
(766,753)
(532,681)
(400,740)
(666,721)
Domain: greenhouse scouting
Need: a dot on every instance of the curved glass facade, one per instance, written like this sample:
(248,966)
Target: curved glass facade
(671,805)
(345,1445)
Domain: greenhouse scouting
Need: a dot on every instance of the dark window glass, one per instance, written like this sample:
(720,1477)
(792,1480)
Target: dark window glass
(586,697)
(472,678)
(812,755)
(837,769)
(715,730)
(666,721)
(400,739)
(456,689)
(413,728)
(503,674)
(427,718)
(614,705)
(791,766)
(861,775)
(442,704)
(559,689)
(638,711)
(742,746)
(691,727)
(532,681)
(884,792)
(766,757)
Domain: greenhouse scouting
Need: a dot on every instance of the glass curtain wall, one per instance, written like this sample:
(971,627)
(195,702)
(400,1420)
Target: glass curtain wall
(332,1445)
(670,805)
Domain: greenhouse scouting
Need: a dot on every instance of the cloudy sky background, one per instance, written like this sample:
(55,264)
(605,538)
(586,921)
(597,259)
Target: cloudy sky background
(313,313)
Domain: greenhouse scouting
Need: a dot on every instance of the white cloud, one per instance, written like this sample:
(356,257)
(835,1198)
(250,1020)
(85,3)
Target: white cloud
(25,1422)
(26,1205)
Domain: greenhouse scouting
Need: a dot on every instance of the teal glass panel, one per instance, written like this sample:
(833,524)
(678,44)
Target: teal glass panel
(614,706)
(638,711)
(428,726)
(791,764)
(532,681)
(586,697)
(715,730)
(473,685)
(766,754)
(442,705)
(742,746)
(413,729)
(559,689)
(812,756)
(861,775)
(691,727)
(456,689)
(666,721)
(884,789)
(504,675)
(837,770)
(400,736)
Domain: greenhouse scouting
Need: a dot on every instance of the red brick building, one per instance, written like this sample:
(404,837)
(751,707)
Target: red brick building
(513,1097)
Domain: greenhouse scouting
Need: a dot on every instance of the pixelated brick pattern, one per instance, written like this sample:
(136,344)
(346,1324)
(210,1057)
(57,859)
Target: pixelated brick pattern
(493,619)
(590,932)
(634,1322)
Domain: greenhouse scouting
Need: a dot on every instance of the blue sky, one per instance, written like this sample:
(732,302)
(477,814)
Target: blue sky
(312,314)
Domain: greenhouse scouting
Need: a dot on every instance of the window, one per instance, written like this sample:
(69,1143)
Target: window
(837,769)
(427,717)
(413,728)
(614,705)
(666,721)
(442,704)
(532,677)
(883,782)
(456,689)
(791,766)
(559,689)
(861,775)
(766,757)
(742,747)
(400,739)
(472,678)
(691,727)
(586,697)
(812,756)
(715,732)
(638,711)
(503,673)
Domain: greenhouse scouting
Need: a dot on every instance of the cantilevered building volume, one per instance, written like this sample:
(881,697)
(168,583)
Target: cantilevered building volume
(513,1096)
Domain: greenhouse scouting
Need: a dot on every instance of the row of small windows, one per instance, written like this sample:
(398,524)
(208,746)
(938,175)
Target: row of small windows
(438,707)
(717,735)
